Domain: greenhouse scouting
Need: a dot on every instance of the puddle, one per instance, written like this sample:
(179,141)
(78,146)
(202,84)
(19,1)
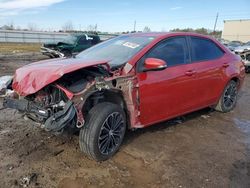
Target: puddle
(240,174)
(244,127)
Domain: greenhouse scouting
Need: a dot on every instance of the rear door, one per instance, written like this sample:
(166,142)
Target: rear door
(209,64)
(170,92)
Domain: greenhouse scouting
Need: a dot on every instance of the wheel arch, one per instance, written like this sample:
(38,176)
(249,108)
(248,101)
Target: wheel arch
(113,96)
(234,78)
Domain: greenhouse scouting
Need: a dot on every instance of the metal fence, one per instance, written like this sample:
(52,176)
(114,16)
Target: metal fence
(37,37)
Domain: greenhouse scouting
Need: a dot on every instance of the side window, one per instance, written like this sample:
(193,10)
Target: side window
(83,41)
(204,49)
(95,40)
(174,51)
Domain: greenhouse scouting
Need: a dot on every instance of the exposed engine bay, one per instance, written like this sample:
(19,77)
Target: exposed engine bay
(77,81)
(49,107)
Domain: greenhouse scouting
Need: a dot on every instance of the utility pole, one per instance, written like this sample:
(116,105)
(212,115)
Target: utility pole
(96,27)
(135,26)
(215,23)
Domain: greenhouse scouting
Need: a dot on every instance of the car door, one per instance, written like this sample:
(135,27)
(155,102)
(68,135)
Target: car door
(209,63)
(170,92)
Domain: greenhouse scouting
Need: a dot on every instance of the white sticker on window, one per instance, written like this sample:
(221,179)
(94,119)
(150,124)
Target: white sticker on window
(131,45)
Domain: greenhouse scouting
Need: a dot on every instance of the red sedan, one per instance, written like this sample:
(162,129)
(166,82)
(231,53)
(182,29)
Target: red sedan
(128,82)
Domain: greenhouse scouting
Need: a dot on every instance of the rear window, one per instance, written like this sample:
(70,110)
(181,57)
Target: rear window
(205,50)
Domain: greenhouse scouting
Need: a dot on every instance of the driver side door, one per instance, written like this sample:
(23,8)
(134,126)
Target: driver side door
(167,93)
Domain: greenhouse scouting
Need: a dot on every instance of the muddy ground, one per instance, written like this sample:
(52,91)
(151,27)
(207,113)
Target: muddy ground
(202,149)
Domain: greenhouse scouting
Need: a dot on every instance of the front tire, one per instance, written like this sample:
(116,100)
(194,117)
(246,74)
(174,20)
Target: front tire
(228,99)
(103,132)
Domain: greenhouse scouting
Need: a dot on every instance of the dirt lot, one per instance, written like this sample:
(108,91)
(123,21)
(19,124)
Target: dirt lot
(19,47)
(202,149)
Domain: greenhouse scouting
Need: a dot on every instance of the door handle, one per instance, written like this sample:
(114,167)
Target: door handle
(225,65)
(190,72)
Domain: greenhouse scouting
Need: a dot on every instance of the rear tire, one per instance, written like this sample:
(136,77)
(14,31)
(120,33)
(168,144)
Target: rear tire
(103,132)
(228,99)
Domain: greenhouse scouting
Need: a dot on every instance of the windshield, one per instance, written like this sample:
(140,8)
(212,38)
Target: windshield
(118,50)
(70,39)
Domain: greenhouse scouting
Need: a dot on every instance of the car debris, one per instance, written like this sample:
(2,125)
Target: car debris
(5,82)
(71,45)
(205,116)
(58,152)
(27,180)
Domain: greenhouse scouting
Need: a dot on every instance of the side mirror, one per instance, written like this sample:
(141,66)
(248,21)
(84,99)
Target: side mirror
(154,64)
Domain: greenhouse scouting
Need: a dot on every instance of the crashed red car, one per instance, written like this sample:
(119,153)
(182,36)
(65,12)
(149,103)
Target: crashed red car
(129,82)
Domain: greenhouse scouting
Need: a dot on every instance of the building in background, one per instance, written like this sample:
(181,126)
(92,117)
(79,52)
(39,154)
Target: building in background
(236,30)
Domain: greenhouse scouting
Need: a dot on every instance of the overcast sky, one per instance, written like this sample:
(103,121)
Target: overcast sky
(119,15)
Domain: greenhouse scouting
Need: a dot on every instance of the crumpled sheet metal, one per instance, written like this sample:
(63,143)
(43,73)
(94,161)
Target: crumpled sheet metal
(33,77)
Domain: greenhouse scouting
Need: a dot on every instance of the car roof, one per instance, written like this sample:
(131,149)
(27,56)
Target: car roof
(167,34)
(81,34)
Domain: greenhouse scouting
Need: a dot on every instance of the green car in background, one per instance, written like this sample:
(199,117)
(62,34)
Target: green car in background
(73,44)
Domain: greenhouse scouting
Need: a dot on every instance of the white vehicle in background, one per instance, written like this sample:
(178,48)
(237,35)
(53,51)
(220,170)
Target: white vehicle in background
(244,52)
(233,45)
(243,48)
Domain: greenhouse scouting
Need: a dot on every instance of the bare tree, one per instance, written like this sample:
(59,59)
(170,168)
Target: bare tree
(91,28)
(68,26)
(32,27)
(10,25)
(146,29)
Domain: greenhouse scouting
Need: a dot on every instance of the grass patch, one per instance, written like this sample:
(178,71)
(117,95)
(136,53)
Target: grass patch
(19,47)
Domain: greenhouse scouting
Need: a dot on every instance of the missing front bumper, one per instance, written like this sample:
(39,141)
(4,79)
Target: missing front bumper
(53,122)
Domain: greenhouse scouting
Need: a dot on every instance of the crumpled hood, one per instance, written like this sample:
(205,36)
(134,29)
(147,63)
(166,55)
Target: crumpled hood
(33,77)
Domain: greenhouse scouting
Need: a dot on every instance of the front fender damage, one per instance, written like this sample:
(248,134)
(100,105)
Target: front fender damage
(60,105)
(127,86)
(61,119)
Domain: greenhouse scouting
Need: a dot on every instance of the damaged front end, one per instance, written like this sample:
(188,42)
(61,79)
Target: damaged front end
(66,101)
(48,107)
